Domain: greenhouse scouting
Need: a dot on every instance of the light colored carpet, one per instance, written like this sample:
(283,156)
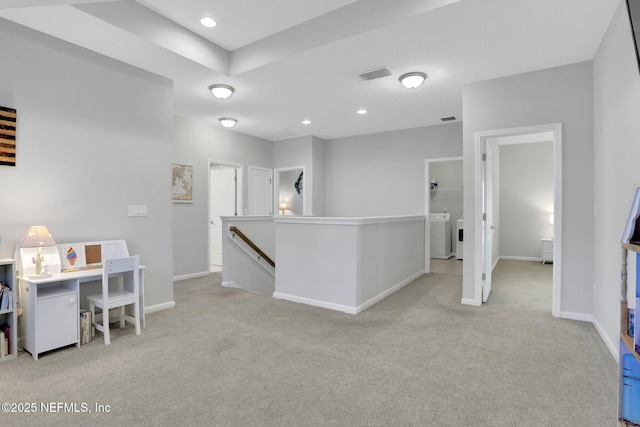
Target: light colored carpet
(225,357)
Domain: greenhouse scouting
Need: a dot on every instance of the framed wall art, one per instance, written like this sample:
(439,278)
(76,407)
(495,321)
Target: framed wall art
(182,184)
(8,136)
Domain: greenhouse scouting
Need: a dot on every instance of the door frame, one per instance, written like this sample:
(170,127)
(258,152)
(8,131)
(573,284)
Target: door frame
(427,207)
(480,138)
(239,197)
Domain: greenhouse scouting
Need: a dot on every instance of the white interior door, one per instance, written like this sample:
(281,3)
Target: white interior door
(487,224)
(260,191)
(222,203)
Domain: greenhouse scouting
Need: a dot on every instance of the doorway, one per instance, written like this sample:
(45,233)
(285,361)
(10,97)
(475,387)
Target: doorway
(443,194)
(225,199)
(289,194)
(487,218)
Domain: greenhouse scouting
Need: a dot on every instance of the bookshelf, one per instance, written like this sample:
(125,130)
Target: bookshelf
(9,316)
(629,357)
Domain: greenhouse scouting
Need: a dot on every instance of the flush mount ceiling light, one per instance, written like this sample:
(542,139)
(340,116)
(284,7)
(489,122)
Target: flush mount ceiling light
(221,91)
(361,111)
(208,22)
(412,80)
(306,122)
(227,122)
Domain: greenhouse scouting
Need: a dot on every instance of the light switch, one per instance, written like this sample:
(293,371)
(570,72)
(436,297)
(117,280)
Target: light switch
(137,210)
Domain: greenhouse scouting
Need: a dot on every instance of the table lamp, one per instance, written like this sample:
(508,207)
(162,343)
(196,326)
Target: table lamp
(37,236)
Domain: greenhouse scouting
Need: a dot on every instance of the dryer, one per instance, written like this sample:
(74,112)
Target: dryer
(460,237)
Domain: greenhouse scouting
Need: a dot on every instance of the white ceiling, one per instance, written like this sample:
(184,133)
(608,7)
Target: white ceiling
(291,60)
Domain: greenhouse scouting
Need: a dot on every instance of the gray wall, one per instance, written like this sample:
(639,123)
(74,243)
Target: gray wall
(195,144)
(383,174)
(557,95)
(526,198)
(94,136)
(617,153)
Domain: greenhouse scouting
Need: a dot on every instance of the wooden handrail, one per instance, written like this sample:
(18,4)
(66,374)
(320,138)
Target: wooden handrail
(248,241)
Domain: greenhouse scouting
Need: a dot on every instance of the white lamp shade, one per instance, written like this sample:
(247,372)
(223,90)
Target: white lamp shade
(227,122)
(37,236)
(221,91)
(412,80)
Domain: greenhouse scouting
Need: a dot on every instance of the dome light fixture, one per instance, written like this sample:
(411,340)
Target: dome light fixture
(361,111)
(306,122)
(412,80)
(227,122)
(221,91)
(208,22)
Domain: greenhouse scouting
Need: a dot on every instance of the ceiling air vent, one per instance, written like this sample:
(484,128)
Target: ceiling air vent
(448,119)
(375,74)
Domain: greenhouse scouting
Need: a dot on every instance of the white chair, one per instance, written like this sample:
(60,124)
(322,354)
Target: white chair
(129,294)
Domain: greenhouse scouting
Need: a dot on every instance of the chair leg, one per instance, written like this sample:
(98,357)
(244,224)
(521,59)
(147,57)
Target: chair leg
(122,324)
(136,316)
(105,326)
(92,308)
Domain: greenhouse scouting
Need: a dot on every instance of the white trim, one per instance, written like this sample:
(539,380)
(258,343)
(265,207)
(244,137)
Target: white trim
(318,220)
(469,301)
(190,276)
(389,291)
(229,284)
(316,303)
(613,347)
(159,307)
(427,207)
(348,308)
(583,317)
(479,137)
(520,258)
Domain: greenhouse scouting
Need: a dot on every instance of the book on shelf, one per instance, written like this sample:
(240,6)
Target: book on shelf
(6,298)
(7,333)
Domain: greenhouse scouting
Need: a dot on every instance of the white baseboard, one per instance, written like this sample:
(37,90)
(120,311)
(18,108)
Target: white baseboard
(389,291)
(469,301)
(576,316)
(348,308)
(316,303)
(521,258)
(190,276)
(613,347)
(228,284)
(159,307)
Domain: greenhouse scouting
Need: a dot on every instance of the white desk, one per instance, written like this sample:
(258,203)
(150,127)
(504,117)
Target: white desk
(52,310)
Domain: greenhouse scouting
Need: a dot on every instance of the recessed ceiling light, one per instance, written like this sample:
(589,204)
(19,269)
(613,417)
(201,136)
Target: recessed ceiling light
(208,22)
(412,80)
(227,122)
(306,122)
(361,111)
(221,91)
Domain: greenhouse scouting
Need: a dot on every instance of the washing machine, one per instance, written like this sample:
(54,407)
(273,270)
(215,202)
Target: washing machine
(460,237)
(440,235)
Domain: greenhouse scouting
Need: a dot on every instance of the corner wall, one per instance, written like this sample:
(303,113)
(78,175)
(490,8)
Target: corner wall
(617,156)
(561,94)
(197,143)
(93,136)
